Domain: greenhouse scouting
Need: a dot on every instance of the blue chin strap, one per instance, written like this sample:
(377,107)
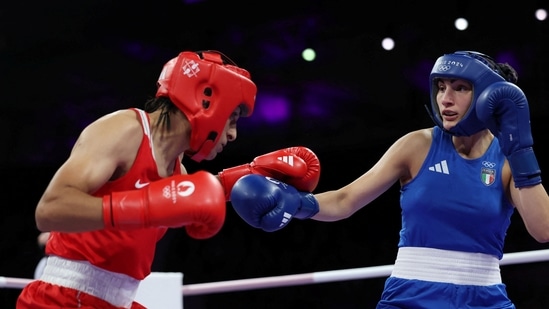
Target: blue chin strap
(467,65)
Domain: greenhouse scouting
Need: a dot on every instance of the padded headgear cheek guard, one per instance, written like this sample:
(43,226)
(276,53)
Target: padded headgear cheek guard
(207,87)
(473,67)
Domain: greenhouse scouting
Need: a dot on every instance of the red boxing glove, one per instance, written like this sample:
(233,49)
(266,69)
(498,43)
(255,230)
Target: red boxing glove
(195,201)
(297,166)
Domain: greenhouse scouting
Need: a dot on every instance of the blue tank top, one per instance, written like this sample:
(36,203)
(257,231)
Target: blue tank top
(455,203)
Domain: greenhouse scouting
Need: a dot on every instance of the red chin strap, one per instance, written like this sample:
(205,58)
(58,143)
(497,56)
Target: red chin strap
(203,152)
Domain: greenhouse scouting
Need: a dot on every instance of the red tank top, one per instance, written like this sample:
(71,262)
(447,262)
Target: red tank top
(128,252)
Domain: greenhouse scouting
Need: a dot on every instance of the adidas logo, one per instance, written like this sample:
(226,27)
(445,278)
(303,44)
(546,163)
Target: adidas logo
(286,217)
(287,159)
(441,167)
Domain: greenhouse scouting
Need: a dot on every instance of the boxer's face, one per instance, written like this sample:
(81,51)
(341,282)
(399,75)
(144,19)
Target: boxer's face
(228,135)
(454,97)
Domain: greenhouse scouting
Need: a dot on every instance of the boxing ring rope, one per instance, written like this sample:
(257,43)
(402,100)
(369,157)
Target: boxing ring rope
(302,279)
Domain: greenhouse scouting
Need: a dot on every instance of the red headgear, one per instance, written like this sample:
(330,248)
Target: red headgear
(207,87)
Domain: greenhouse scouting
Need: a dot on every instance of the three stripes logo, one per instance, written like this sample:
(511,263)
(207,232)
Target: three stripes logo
(441,167)
(287,159)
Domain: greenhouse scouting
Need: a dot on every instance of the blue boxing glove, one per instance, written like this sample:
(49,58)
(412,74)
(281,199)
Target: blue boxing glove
(504,108)
(269,204)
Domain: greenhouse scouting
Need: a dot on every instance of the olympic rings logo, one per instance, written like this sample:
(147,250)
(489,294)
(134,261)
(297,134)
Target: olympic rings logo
(488,164)
(444,67)
(166,192)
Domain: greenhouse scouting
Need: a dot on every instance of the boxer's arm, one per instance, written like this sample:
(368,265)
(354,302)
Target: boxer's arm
(67,204)
(400,163)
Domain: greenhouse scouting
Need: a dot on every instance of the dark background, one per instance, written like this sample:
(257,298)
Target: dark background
(65,63)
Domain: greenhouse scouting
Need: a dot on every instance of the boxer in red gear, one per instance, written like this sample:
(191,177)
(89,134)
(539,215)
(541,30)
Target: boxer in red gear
(123,185)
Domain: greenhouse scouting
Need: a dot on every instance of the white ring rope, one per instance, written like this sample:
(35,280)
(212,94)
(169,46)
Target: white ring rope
(302,279)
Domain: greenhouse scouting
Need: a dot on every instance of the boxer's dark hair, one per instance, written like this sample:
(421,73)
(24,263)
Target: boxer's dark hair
(165,105)
(503,69)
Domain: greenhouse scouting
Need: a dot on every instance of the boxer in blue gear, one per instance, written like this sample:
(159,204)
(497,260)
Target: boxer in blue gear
(461,181)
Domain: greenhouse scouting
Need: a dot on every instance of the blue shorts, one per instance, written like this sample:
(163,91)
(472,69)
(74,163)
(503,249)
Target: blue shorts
(416,294)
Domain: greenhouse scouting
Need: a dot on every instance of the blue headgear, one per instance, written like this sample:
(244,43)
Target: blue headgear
(479,69)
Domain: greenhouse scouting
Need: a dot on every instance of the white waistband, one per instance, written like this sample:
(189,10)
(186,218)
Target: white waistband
(446,266)
(116,289)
